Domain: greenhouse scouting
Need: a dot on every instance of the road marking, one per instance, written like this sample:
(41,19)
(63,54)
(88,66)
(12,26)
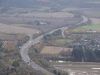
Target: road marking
(72,73)
(95,68)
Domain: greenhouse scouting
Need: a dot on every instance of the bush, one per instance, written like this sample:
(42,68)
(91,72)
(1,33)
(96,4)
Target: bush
(16,63)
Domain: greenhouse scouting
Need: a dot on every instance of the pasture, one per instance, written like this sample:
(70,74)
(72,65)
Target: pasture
(87,28)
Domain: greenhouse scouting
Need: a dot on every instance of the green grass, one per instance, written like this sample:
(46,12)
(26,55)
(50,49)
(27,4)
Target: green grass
(93,27)
(62,41)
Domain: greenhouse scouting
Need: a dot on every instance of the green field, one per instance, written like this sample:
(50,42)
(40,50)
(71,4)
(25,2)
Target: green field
(92,27)
(61,42)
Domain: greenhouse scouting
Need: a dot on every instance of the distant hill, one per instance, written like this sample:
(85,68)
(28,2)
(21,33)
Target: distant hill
(48,3)
(33,3)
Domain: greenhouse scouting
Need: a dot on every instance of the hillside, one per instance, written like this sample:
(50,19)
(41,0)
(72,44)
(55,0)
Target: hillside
(48,3)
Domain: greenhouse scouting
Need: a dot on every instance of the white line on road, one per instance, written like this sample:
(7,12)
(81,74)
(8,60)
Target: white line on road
(95,68)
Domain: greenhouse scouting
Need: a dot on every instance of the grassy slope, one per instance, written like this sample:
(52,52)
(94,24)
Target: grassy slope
(94,27)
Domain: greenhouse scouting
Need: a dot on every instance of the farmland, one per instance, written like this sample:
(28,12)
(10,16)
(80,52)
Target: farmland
(54,50)
(40,20)
(91,27)
(15,29)
(47,14)
(17,22)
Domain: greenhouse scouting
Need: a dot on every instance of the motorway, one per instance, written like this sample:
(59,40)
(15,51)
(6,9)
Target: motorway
(79,68)
(25,48)
(24,54)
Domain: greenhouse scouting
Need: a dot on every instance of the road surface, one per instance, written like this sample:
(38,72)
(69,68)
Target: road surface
(25,48)
(79,68)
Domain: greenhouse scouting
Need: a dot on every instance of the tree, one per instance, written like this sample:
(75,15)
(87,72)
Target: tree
(47,37)
(77,53)
(16,63)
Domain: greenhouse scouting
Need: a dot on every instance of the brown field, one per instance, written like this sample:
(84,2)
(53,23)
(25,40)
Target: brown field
(54,50)
(11,37)
(46,14)
(15,29)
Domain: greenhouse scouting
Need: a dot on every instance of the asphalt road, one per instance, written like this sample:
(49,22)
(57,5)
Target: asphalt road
(25,48)
(80,68)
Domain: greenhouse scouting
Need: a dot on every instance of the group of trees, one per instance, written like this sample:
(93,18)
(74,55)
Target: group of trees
(55,35)
(88,52)
(58,72)
(11,64)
